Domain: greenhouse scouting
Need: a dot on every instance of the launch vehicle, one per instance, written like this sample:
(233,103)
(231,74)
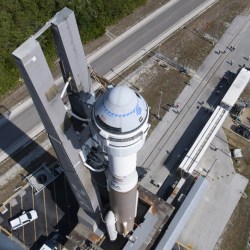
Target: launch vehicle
(115,122)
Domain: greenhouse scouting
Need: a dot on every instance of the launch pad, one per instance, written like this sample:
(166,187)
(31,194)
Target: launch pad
(105,184)
(96,139)
(152,215)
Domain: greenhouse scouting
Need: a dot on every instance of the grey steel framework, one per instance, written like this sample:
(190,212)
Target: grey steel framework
(40,83)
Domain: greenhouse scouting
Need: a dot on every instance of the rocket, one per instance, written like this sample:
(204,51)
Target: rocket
(120,118)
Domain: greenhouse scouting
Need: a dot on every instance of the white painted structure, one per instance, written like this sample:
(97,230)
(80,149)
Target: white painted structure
(202,142)
(121,119)
(110,224)
(182,216)
(237,88)
(207,134)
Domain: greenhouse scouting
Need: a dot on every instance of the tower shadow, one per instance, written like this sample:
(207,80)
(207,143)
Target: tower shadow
(11,135)
(17,144)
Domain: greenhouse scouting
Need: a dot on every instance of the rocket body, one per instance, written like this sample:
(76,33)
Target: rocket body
(121,119)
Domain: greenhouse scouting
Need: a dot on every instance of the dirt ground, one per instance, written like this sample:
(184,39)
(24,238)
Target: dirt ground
(154,78)
(189,52)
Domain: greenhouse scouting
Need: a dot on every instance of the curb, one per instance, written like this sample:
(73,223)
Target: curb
(130,31)
(21,143)
(15,111)
(132,59)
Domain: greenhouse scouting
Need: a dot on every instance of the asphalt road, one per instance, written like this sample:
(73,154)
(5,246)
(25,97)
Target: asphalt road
(12,131)
(140,38)
(56,208)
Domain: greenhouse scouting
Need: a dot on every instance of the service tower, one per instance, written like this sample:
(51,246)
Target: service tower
(115,125)
(121,119)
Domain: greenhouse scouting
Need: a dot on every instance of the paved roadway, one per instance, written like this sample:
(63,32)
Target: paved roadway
(12,131)
(140,38)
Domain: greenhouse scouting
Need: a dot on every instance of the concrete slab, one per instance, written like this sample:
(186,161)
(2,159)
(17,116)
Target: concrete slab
(225,190)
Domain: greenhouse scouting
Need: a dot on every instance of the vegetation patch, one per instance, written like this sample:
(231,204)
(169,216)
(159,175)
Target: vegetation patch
(20,19)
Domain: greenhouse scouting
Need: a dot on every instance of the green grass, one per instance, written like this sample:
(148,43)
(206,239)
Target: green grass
(19,19)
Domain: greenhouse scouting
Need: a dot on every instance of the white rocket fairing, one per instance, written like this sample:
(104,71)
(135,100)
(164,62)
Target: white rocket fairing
(121,118)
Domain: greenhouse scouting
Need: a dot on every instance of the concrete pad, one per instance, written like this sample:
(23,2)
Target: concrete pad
(212,214)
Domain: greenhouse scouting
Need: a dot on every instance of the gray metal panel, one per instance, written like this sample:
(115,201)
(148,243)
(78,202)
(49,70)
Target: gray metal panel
(36,74)
(70,50)
(38,78)
(143,235)
(183,214)
(8,244)
(78,189)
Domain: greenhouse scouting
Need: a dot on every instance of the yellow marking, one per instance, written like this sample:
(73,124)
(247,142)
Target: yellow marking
(67,202)
(4,231)
(188,247)
(57,216)
(33,205)
(45,214)
(10,217)
(22,227)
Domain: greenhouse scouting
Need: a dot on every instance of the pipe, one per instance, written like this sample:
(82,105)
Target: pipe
(65,88)
(67,109)
(93,169)
(76,116)
(88,166)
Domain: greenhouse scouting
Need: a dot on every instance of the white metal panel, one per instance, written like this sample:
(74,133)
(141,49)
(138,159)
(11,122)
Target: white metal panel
(207,134)
(237,87)
(209,140)
(203,140)
(187,160)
